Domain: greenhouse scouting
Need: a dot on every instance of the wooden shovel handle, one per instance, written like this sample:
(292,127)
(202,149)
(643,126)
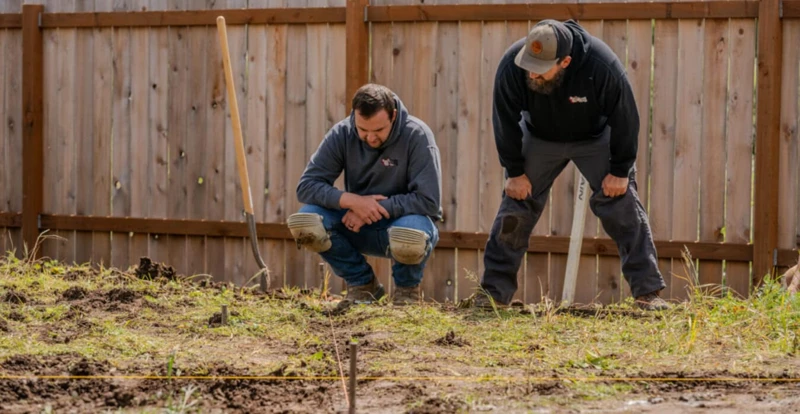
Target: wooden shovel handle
(241,162)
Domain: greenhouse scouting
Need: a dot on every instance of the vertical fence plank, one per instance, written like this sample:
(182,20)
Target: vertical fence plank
(236,249)
(337,104)
(639,68)
(178,84)
(767,171)
(712,170)
(739,149)
(196,139)
(687,147)
(279,192)
(84,134)
(102,125)
(49,248)
(665,78)
(63,153)
(445,128)
(120,144)
(33,87)
(316,123)
(158,132)
(296,118)
(5,141)
(468,204)
(139,140)
(423,106)
(789,208)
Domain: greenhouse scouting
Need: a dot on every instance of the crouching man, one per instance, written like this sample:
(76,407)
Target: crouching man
(392,180)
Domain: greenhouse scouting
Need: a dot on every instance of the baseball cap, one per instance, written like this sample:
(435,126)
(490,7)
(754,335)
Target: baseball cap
(548,41)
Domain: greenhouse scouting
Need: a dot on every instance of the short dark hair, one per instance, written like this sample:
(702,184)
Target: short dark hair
(371,98)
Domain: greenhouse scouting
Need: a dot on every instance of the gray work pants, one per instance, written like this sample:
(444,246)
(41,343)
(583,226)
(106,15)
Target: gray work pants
(623,217)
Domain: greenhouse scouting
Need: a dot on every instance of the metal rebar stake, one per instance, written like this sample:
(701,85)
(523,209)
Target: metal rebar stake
(353,360)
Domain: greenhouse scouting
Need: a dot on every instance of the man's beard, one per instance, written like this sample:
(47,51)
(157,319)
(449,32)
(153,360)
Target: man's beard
(546,87)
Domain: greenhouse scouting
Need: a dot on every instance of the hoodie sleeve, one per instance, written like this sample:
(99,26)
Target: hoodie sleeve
(506,108)
(316,183)
(424,181)
(623,118)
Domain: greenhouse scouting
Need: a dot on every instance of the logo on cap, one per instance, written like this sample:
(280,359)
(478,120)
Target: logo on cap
(536,47)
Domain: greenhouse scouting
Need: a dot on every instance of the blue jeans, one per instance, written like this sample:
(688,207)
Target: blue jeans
(346,255)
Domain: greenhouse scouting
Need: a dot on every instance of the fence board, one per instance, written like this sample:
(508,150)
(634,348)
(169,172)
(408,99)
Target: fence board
(103,112)
(84,136)
(5,144)
(316,123)
(236,249)
(138,143)
(296,160)
(444,126)
(739,148)
(639,69)
(276,163)
(11,132)
(789,208)
(197,139)
(120,144)
(663,137)
(468,207)
(337,103)
(178,84)
(157,189)
(712,174)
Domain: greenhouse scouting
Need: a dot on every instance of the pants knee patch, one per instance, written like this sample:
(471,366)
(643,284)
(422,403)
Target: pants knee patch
(408,246)
(309,232)
(512,231)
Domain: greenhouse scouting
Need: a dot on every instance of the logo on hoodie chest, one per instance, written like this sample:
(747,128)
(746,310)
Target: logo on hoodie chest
(388,162)
(577,99)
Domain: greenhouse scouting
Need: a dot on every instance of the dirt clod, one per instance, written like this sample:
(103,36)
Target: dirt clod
(16,316)
(450,339)
(216,319)
(74,293)
(4,326)
(148,270)
(14,297)
(122,295)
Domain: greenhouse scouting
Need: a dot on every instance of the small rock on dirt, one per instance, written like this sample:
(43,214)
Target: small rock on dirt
(122,295)
(15,297)
(74,293)
(148,270)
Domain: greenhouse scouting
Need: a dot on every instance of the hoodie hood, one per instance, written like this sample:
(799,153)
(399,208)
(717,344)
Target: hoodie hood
(402,117)
(581,44)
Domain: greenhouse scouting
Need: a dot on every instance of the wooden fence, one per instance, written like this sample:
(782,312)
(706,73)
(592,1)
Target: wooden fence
(116,136)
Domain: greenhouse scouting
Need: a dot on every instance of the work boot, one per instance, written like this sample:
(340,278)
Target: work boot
(651,302)
(364,294)
(482,300)
(406,296)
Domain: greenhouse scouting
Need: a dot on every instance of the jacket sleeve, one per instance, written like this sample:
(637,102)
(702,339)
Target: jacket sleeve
(316,183)
(623,118)
(506,108)
(424,181)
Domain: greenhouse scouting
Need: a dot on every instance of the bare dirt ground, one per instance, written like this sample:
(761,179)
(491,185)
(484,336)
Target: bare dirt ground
(148,341)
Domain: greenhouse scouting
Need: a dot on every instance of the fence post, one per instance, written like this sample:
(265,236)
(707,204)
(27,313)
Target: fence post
(357,47)
(33,127)
(765,221)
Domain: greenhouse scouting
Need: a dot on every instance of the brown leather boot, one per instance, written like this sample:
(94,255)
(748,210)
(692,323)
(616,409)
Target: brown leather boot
(407,296)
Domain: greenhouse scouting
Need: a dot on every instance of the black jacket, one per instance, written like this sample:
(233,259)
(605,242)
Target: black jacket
(595,99)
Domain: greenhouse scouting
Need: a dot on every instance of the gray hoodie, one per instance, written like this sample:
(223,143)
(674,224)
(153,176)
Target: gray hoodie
(406,168)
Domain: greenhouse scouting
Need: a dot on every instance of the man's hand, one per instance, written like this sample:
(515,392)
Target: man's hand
(614,186)
(518,188)
(352,221)
(365,208)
